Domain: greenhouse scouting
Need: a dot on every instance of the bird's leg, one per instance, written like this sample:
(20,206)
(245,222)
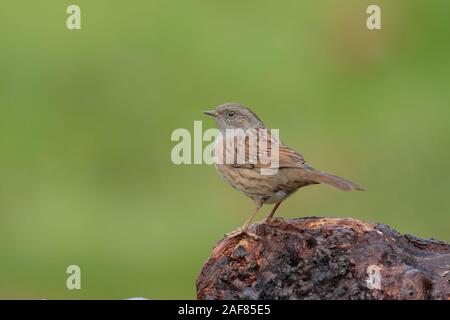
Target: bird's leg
(269,218)
(244,228)
(249,220)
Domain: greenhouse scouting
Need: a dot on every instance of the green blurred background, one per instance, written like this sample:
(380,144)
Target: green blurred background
(86,118)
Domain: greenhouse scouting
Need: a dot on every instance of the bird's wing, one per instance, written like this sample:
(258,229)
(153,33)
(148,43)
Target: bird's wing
(289,158)
(262,155)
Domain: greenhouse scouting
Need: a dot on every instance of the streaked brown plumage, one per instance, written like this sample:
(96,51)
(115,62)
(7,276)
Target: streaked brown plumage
(293,171)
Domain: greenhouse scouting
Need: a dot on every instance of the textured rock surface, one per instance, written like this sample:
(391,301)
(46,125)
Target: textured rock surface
(326,258)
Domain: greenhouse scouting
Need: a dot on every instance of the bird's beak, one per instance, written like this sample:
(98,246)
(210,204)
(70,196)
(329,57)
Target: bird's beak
(212,113)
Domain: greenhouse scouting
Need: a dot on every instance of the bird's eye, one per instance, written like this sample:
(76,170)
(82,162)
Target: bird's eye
(231,114)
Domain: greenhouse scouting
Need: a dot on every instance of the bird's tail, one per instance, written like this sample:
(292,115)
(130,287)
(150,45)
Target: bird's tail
(332,180)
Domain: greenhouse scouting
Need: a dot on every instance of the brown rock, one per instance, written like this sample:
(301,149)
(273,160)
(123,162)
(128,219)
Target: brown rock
(326,258)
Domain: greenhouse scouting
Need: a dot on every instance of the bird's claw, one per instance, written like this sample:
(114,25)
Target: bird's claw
(240,231)
(272,220)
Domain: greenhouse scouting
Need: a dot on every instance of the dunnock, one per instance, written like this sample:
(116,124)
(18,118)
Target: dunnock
(292,171)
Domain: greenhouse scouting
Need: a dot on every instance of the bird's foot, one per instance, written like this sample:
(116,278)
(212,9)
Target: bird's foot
(240,231)
(273,220)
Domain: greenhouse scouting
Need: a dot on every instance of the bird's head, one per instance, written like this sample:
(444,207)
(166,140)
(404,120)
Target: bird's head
(235,116)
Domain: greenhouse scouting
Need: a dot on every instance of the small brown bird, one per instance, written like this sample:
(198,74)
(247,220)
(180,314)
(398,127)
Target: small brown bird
(292,173)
